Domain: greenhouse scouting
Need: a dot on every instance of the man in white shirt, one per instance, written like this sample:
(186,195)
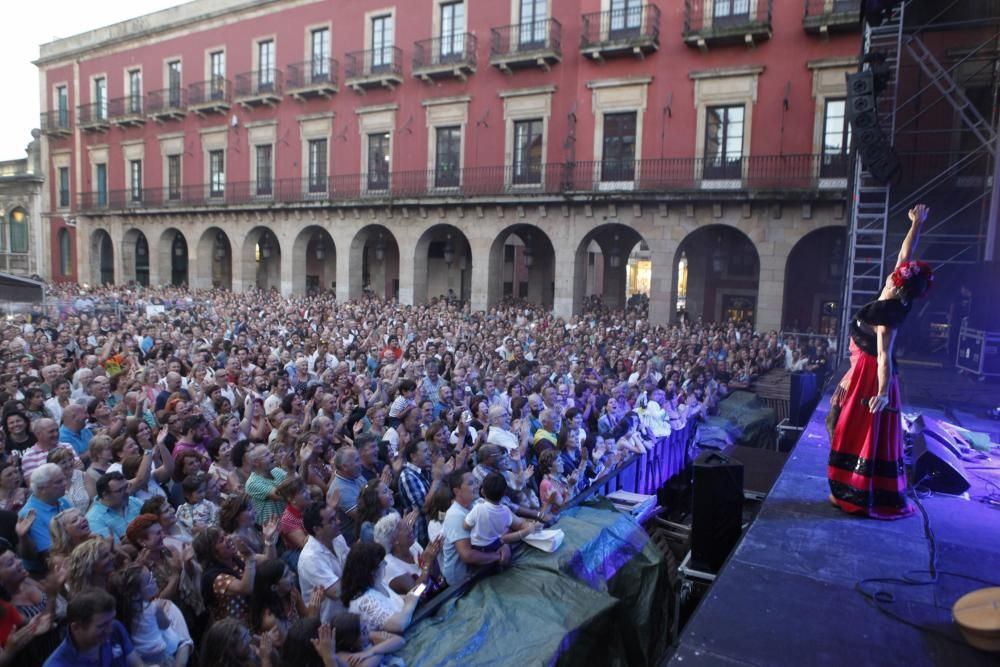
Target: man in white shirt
(458,552)
(321,562)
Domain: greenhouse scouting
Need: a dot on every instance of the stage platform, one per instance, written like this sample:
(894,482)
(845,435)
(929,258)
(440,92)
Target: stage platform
(787,594)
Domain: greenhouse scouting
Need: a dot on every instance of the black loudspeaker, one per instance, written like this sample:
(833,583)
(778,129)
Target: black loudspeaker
(936,467)
(860,83)
(876,152)
(717,516)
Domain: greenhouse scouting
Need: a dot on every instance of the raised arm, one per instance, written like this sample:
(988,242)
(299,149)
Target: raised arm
(918,215)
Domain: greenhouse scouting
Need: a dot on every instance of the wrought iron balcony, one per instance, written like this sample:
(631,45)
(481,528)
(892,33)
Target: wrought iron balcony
(93,117)
(374,68)
(823,17)
(720,22)
(634,30)
(167,104)
(532,44)
(212,96)
(126,111)
(313,78)
(55,123)
(777,175)
(447,56)
(260,87)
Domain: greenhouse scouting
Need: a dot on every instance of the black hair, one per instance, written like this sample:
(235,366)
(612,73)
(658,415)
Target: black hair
(312,517)
(263,598)
(359,571)
(348,630)
(494,487)
(104,481)
(88,603)
(298,650)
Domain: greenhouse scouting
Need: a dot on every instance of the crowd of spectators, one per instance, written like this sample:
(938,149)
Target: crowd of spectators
(229,479)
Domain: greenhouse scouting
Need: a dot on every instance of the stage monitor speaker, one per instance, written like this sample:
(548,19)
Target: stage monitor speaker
(717,515)
(936,467)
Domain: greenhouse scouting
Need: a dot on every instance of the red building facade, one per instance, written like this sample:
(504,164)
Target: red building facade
(421,147)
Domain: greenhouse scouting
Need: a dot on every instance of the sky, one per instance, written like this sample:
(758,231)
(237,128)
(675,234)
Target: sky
(30,24)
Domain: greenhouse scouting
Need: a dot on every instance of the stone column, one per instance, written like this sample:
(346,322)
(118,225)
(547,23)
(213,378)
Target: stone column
(661,303)
(406,269)
(771,289)
(480,291)
(564,268)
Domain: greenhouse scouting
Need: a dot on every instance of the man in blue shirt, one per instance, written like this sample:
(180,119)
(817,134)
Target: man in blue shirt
(48,486)
(113,509)
(73,430)
(94,637)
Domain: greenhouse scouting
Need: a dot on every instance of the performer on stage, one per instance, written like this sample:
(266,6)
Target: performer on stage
(866,459)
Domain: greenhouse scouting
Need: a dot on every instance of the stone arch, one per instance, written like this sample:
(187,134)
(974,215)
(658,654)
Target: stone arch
(173,255)
(261,259)
(135,257)
(102,257)
(813,277)
(722,277)
(214,267)
(528,269)
(373,262)
(607,263)
(314,261)
(442,264)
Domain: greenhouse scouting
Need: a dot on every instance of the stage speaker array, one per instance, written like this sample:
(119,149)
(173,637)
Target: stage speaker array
(717,516)
(877,154)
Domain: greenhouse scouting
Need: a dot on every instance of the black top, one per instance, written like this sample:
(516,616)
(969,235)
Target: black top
(888,312)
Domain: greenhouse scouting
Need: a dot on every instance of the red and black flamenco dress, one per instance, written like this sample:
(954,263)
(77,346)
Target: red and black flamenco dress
(866,470)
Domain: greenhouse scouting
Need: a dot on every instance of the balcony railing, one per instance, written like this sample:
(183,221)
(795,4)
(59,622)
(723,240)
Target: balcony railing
(55,123)
(212,96)
(126,111)
(167,103)
(261,86)
(826,16)
(374,68)
(777,173)
(634,29)
(313,78)
(717,22)
(448,55)
(93,116)
(526,44)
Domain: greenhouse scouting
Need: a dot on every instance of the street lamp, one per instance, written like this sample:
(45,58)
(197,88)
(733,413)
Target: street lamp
(379,248)
(320,248)
(265,246)
(178,245)
(220,248)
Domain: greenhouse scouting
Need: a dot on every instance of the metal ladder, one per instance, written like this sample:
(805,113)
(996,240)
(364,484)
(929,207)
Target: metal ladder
(870,199)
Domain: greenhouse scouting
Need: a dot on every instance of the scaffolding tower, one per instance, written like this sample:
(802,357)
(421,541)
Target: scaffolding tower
(939,111)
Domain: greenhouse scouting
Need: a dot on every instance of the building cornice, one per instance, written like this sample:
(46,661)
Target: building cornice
(722,72)
(146,26)
(378,108)
(620,81)
(522,92)
(454,99)
(830,63)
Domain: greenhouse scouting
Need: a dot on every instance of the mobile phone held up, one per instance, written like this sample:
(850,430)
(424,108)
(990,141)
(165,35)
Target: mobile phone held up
(419,589)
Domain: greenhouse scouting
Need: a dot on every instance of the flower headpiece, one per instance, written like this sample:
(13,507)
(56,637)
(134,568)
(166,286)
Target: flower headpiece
(913,270)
